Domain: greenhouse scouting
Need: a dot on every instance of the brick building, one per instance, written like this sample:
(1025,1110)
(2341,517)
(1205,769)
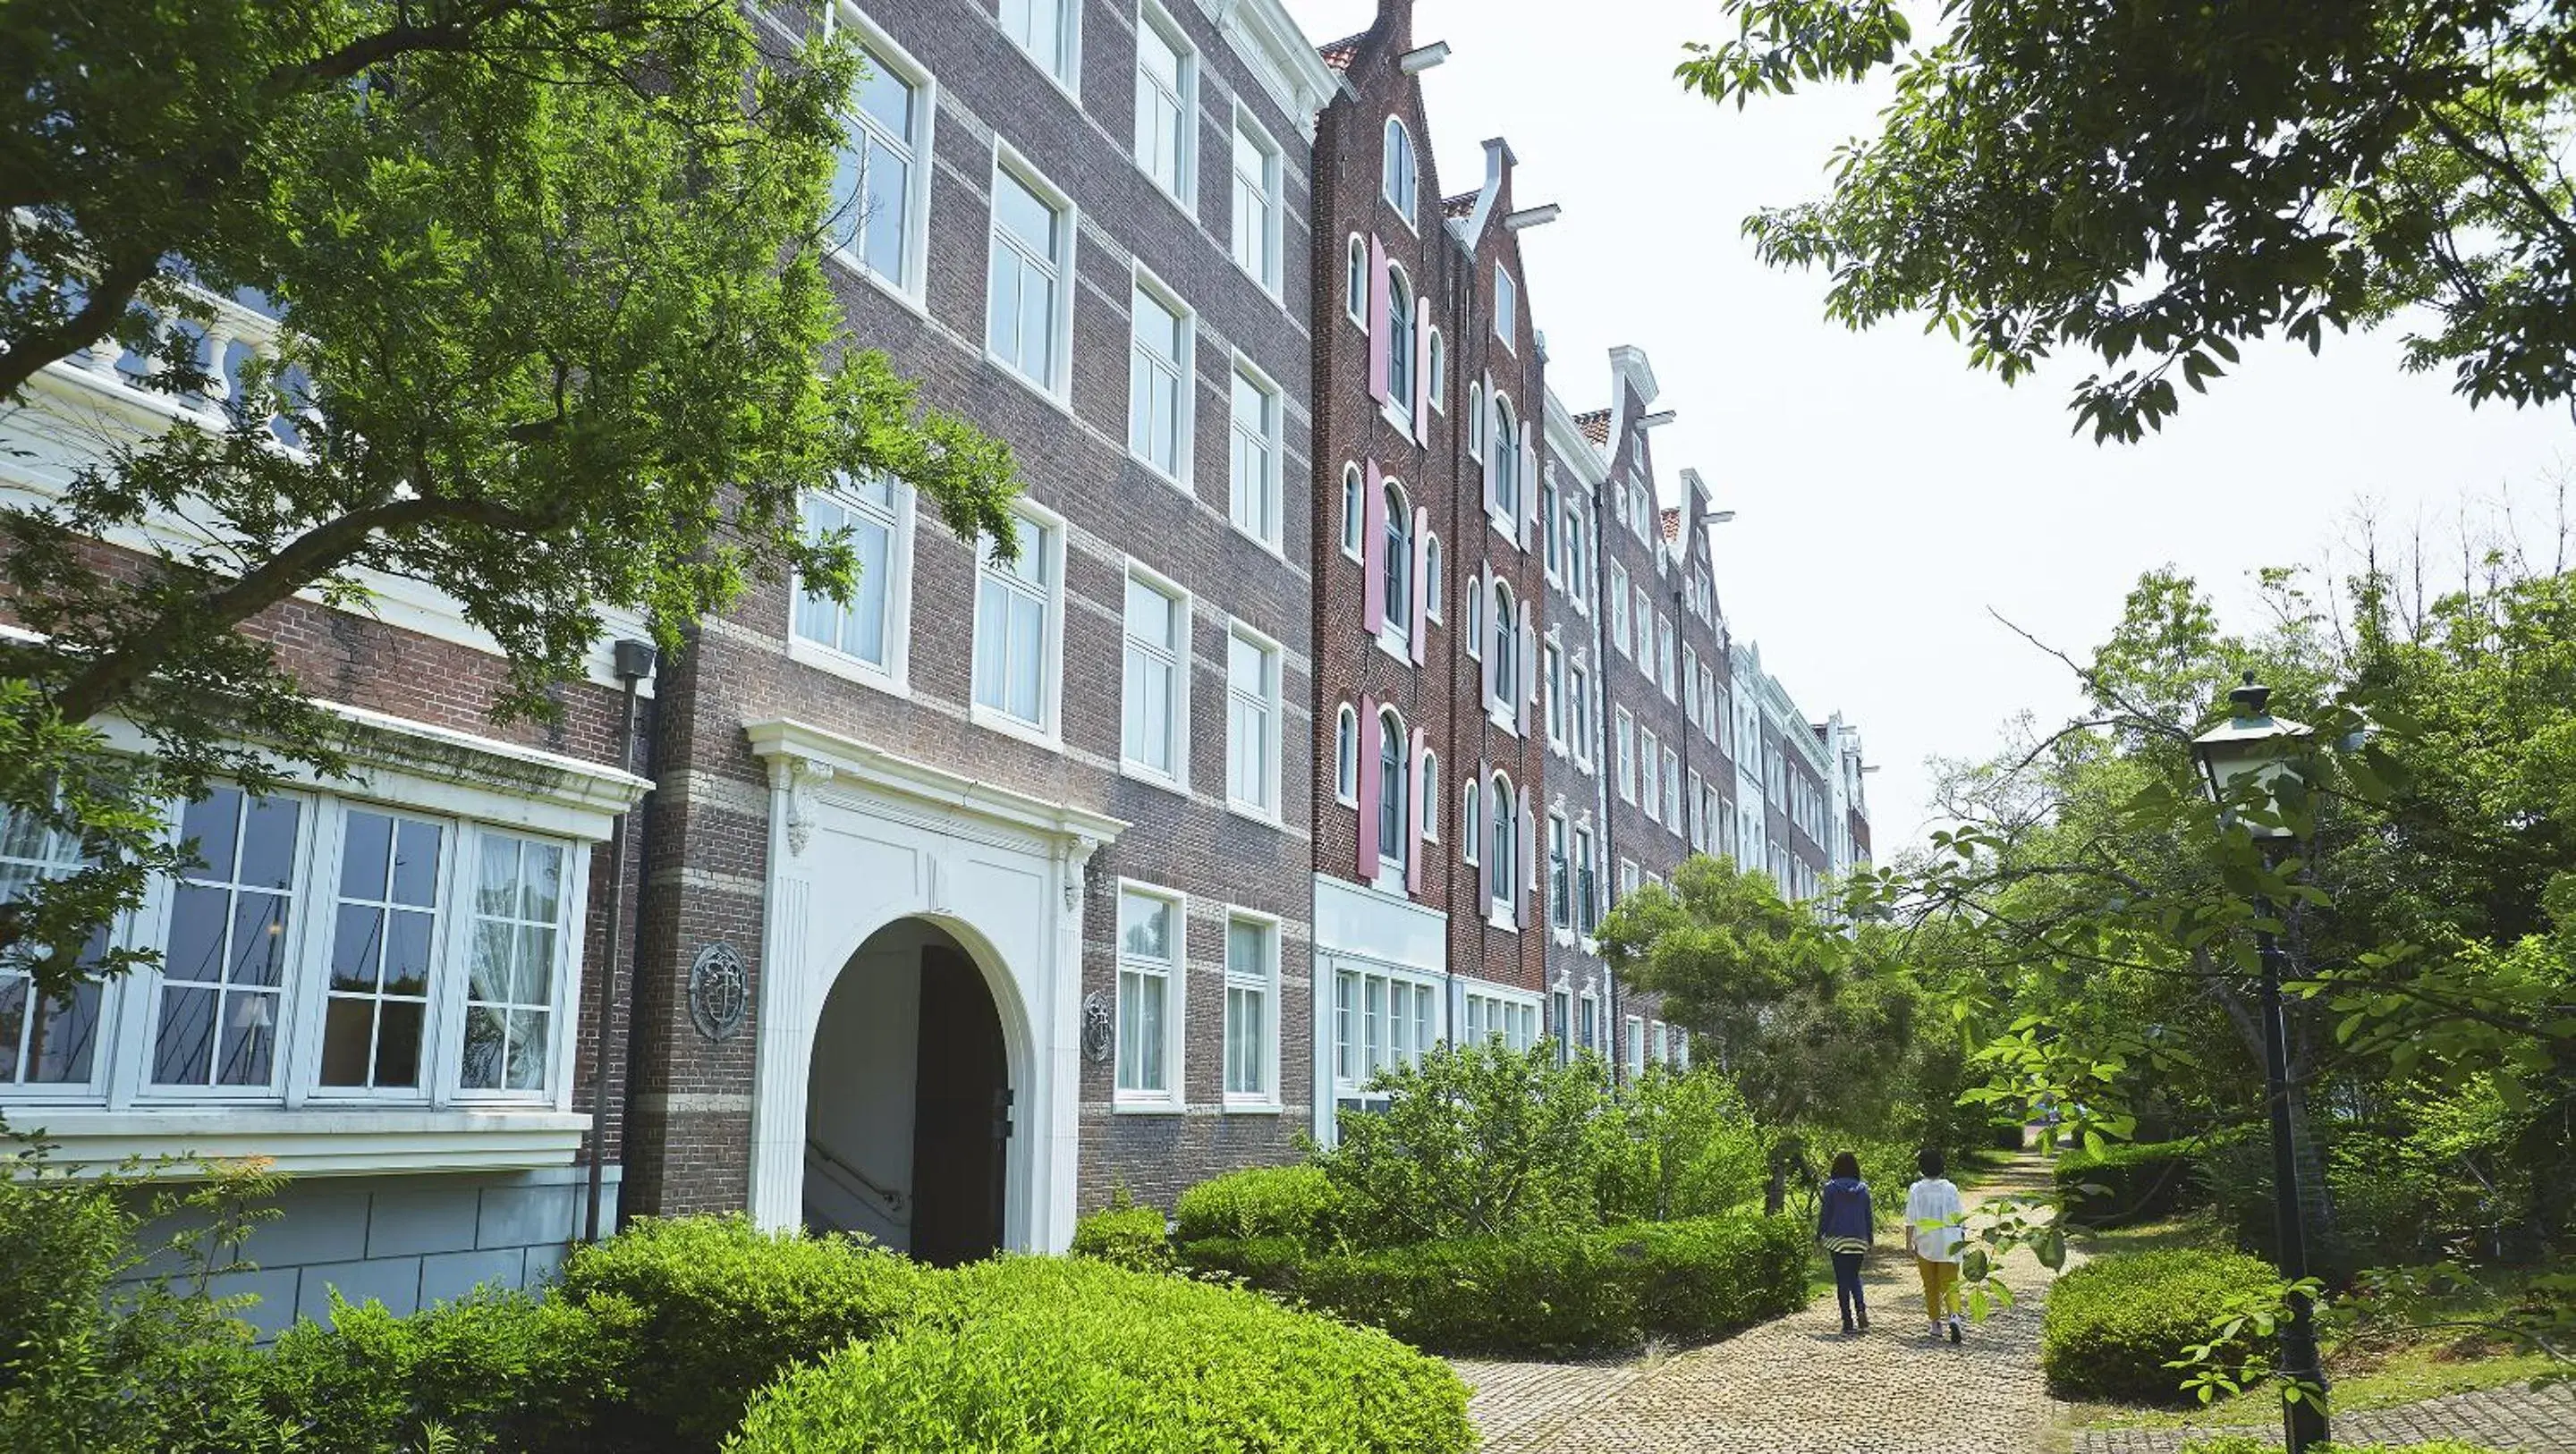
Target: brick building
(1429,584)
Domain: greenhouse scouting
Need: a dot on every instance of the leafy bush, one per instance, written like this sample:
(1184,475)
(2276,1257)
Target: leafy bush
(2140,1182)
(2112,1326)
(1680,1146)
(1549,1292)
(1475,1141)
(1126,1236)
(713,1309)
(2249,1444)
(1297,1202)
(498,1370)
(1039,1354)
(110,1340)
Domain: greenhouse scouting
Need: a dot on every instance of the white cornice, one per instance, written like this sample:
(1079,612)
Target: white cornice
(309,1142)
(1279,54)
(780,742)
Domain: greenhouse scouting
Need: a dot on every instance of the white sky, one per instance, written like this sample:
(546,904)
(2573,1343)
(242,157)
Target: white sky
(1889,496)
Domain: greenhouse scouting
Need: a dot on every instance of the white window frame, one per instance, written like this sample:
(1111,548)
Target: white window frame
(1175,970)
(1672,786)
(1266,982)
(1437,352)
(1401,321)
(1144,285)
(1471,821)
(1270,436)
(1355,281)
(1503,459)
(1552,673)
(1435,577)
(910,287)
(1578,691)
(1623,747)
(56,855)
(1650,790)
(895,675)
(1406,198)
(1271,190)
(1346,755)
(1272,700)
(1619,609)
(1176,660)
(1047,731)
(1354,512)
(1057,387)
(1493,1011)
(1506,875)
(1182,186)
(1666,669)
(1506,310)
(1559,849)
(1357,1049)
(1427,788)
(1064,69)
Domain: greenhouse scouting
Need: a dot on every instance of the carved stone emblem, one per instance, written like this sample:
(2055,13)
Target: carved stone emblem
(1096,1026)
(719,992)
(803,776)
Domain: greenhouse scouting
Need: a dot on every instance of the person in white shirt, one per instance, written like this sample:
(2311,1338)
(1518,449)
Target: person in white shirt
(1934,1215)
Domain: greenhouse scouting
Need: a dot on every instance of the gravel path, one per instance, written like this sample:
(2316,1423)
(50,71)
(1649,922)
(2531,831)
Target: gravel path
(1798,1386)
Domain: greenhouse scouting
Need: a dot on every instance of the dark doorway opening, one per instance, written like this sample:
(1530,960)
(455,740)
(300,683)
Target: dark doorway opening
(961,1114)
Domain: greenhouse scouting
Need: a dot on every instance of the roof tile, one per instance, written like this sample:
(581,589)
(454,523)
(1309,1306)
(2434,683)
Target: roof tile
(1595,426)
(1339,54)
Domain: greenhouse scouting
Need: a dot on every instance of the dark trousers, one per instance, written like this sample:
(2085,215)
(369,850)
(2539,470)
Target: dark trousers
(1847,1284)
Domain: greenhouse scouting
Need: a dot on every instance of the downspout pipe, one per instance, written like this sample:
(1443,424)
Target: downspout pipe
(634,663)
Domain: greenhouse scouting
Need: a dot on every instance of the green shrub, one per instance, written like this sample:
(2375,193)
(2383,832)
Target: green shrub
(498,1370)
(1297,1202)
(1681,1146)
(2113,1325)
(1057,1355)
(2139,1182)
(1124,1236)
(1552,1292)
(718,1310)
(2248,1444)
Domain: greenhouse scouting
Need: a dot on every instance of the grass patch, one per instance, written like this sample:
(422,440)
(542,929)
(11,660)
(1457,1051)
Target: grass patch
(2200,1231)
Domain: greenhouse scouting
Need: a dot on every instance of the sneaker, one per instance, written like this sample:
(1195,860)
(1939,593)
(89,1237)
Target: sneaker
(1954,1331)
(1848,1330)
(1864,1322)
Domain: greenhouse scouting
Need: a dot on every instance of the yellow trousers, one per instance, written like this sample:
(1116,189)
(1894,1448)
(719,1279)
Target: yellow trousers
(1940,1287)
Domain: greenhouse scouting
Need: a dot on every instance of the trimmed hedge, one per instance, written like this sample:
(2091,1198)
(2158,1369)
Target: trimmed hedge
(718,1309)
(1552,1293)
(1296,1202)
(2141,1182)
(1054,1356)
(2113,1325)
(1131,1237)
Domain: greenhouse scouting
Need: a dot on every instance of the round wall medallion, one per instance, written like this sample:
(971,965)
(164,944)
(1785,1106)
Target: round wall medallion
(719,991)
(1096,1027)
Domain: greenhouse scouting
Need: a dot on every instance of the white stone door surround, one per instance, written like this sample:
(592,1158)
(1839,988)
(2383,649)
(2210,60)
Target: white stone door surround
(859,838)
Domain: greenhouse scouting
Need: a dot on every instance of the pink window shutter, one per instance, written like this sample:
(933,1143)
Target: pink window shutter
(1372,549)
(1372,786)
(1415,811)
(1379,343)
(1422,382)
(1529,848)
(1421,624)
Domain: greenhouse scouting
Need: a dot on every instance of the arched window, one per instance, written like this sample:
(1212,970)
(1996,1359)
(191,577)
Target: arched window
(1475,411)
(1504,458)
(1394,781)
(1471,822)
(1401,174)
(1429,788)
(1346,755)
(1355,282)
(1399,342)
(1439,370)
(1499,868)
(1475,634)
(1399,559)
(1506,648)
(1354,512)
(1431,596)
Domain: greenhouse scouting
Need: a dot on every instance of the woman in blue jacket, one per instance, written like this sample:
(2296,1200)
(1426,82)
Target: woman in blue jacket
(1845,1225)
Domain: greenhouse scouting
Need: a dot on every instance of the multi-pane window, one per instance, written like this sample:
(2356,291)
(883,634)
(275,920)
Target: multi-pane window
(1690,686)
(1395,786)
(1619,608)
(1346,754)
(1560,880)
(1491,1017)
(1506,309)
(509,986)
(1624,748)
(1154,694)
(52,1041)
(1045,29)
(1672,790)
(1578,691)
(877,173)
(1380,1022)
(1399,343)
(1149,950)
(224,959)
(1031,241)
(1506,649)
(1577,559)
(1645,617)
(1552,662)
(1587,899)
(1401,180)
(1665,670)
(1399,560)
(1252,723)
(1649,750)
(1158,382)
(1504,459)
(383,943)
(1252,461)
(1250,952)
(1503,869)
(869,628)
(1256,204)
(1165,80)
(1014,601)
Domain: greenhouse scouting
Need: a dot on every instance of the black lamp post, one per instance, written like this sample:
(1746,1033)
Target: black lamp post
(2245,761)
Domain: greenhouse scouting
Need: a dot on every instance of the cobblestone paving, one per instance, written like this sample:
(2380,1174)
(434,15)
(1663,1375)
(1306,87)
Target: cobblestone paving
(2541,1421)
(1798,1386)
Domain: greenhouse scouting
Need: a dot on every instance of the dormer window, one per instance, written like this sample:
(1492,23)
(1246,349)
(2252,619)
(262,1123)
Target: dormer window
(1402,181)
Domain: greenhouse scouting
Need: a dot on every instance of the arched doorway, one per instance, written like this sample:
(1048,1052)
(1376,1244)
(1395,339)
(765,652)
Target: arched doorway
(908,1100)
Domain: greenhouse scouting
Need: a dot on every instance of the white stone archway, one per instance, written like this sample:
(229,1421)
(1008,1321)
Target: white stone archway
(860,838)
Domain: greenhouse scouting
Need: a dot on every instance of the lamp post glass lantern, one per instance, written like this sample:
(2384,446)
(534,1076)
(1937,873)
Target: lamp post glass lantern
(2251,761)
